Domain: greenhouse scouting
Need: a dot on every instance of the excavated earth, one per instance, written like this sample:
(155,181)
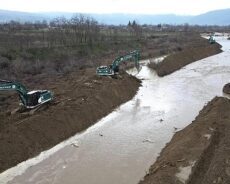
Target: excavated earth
(81,98)
(186,56)
(198,154)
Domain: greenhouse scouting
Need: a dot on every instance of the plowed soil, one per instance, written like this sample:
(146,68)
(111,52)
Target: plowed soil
(198,154)
(81,98)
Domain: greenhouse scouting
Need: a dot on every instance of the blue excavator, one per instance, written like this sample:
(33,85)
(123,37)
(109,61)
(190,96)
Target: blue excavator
(29,99)
(113,69)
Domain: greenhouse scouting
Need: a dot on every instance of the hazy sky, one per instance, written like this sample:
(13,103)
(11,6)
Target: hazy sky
(181,7)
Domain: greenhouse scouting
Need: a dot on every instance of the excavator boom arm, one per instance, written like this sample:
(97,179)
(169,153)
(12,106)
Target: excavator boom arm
(114,67)
(14,86)
(30,99)
(132,55)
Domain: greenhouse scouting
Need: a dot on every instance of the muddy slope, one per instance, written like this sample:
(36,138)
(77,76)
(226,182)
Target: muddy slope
(186,56)
(226,88)
(81,98)
(201,150)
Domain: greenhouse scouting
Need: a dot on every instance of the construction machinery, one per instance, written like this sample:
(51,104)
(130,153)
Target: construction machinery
(211,39)
(113,69)
(29,99)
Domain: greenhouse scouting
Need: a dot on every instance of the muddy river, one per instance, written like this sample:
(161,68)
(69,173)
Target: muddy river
(120,148)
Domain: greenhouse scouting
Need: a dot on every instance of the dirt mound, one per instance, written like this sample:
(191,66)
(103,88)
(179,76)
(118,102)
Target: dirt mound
(200,152)
(81,98)
(188,55)
(226,88)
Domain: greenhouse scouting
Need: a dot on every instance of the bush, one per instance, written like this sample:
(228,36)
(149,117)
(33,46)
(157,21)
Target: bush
(10,54)
(4,63)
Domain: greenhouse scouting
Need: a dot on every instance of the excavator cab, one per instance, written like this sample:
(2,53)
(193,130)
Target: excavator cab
(37,98)
(32,98)
(105,70)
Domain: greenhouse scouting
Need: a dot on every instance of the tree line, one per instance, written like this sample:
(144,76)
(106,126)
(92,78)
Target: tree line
(78,30)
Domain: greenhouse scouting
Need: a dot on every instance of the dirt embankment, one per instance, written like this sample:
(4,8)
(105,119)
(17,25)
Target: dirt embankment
(198,154)
(226,88)
(196,50)
(81,98)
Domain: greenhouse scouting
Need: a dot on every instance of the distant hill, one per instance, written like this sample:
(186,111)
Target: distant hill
(218,17)
(141,19)
(115,19)
(6,16)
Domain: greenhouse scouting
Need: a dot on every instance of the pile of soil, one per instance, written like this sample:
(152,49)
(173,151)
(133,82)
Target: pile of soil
(226,88)
(81,98)
(200,152)
(184,57)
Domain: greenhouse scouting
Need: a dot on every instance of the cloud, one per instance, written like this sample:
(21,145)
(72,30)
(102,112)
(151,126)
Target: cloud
(189,7)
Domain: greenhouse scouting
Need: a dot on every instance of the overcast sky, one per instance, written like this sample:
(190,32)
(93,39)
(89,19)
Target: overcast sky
(180,7)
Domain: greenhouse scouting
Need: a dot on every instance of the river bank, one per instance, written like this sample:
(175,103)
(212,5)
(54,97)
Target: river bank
(81,98)
(199,153)
(185,56)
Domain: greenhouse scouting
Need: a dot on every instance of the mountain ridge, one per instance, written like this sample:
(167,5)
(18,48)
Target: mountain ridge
(216,17)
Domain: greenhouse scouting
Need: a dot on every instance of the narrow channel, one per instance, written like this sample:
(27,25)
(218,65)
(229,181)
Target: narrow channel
(120,148)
